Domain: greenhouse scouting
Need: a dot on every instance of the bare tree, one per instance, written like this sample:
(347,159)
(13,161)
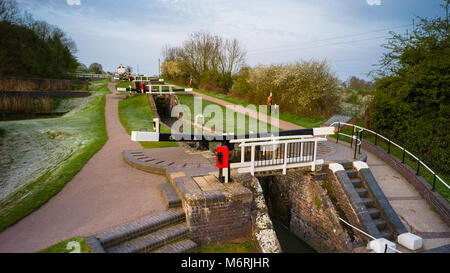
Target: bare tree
(9,10)
(204,52)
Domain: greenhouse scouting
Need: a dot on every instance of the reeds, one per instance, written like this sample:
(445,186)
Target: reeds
(24,84)
(24,105)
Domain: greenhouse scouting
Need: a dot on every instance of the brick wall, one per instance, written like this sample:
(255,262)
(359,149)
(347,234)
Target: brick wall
(421,185)
(219,220)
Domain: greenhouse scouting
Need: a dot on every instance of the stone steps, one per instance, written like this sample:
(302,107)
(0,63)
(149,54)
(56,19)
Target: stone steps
(376,217)
(183,246)
(170,196)
(142,227)
(153,241)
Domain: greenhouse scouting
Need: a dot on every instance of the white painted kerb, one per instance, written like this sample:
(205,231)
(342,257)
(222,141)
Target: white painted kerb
(334,167)
(410,241)
(360,165)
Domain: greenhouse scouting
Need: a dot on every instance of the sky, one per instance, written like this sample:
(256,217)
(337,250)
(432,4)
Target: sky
(347,33)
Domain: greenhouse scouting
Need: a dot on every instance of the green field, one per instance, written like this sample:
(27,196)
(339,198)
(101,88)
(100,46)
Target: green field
(136,114)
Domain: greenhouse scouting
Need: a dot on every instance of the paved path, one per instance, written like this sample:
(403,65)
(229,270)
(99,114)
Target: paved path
(412,209)
(105,193)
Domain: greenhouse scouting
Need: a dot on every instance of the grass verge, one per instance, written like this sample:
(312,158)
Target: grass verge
(136,114)
(188,102)
(67,246)
(244,247)
(99,86)
(86,126)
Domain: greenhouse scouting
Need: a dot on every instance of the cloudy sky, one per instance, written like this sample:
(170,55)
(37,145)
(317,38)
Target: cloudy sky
(348,33)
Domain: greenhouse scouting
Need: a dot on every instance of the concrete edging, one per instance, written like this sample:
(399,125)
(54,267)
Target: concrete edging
(419,183)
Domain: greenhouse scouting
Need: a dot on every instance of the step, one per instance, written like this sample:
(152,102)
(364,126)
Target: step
(352,173)
(153,240)
(368,202)
(140,227)
(362,192)
(381,224)
(374,213)
(356,182)
(387,235)
(183,246)
(170,196)
(348,165)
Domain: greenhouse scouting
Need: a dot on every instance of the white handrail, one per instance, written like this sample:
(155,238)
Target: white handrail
(395,144)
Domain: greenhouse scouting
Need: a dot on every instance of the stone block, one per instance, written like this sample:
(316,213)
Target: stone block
(360,165)
(379,245)
(334,167)
(410,241)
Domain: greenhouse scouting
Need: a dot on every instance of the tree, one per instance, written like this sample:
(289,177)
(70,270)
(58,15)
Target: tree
(206,58)
(128,69)
(96,68)
(411,101)
(9,10)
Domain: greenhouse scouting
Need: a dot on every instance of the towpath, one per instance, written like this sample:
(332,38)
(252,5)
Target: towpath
(105,193)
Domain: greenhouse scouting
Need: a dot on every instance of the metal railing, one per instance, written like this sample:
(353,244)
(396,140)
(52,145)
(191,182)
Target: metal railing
(88,75)
(359,137)
(275,153)
(368,235)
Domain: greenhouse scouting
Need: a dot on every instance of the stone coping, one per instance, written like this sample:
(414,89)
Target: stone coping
(196,183)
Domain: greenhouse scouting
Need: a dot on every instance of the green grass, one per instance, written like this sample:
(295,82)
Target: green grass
(136,114)
(83,127)
(188,102)
(99,86)
(244,247)
(66,246)
(307,122)
(395,151)
(125,84)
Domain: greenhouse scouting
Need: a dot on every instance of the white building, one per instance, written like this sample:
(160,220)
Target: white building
(121,69)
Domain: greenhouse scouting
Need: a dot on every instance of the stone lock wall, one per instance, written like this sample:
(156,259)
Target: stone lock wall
(313,216)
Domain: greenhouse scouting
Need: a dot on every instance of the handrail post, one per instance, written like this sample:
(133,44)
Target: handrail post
(360,141)
(389,146)
(434,181)
(337,134)
(418,167)
(351,140)
(376,138)
(403,159)
(356,144)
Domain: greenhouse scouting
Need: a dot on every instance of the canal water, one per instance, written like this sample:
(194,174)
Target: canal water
(288,241)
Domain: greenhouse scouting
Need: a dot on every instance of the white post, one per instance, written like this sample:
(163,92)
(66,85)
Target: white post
(285,158)
(160,89)
(301,151)
(252,164)
(226,174)
(313,167)
(242,152)
(156,124)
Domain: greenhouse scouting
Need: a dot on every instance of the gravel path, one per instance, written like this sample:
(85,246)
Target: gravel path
(105,193)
